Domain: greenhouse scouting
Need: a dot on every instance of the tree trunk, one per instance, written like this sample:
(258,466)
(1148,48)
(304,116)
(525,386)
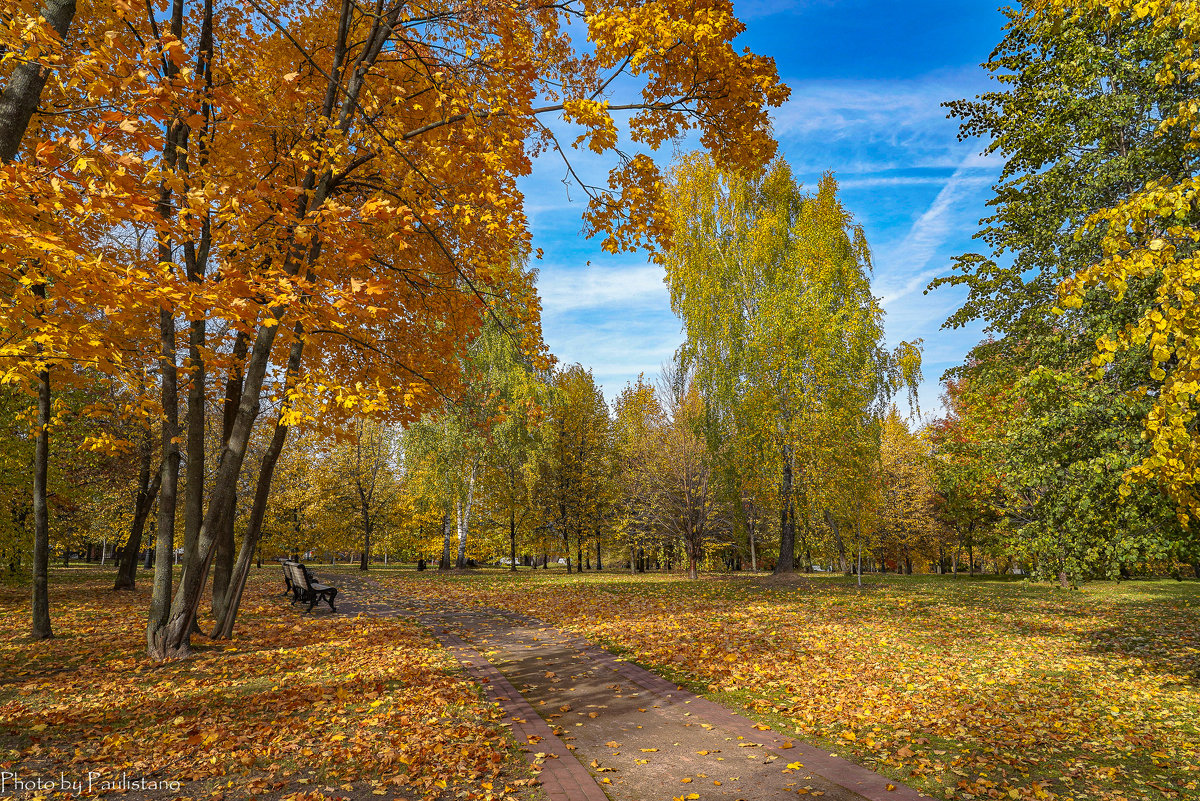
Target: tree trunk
(599,558)
(753,553)
(512,541)
(464,519)
(241,568)
(193,490)
(223,559)
(173,641)
(232,596)
(858,536)
(837,541)
(160,599)
(579,551)
(222,562)
(41,512)
(24,90)
(147,491)
(368,526)
(444,562)
(787,520)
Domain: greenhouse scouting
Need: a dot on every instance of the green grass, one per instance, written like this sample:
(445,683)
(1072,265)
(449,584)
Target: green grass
(965,688)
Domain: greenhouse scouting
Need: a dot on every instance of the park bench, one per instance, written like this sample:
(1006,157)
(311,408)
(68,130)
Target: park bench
(287,576)
(305,587)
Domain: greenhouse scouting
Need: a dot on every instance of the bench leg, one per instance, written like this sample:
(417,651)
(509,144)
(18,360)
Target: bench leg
(312,602)
(329,599)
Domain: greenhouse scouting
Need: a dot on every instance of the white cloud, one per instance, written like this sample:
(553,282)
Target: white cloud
(867,126)
(615,286)
(906,265)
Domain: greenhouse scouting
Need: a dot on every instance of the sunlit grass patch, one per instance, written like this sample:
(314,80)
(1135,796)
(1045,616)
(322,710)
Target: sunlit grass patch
(294,702)
(963,688)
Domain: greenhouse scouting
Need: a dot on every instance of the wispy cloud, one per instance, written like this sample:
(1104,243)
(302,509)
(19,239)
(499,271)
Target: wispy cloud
(611,286)
(906,266)
(868,126)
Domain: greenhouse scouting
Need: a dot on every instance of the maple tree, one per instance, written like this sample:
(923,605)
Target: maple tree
(389,162)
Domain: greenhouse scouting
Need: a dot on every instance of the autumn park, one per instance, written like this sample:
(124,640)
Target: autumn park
(645,400)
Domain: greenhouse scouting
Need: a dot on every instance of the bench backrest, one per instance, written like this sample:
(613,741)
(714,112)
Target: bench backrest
(297,574)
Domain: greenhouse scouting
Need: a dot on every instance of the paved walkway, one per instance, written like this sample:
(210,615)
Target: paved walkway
(603,728)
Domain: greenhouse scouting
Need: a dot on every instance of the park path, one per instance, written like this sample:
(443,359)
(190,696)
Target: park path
(603,728)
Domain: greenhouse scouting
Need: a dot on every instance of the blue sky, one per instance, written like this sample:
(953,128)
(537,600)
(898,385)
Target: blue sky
(868,78)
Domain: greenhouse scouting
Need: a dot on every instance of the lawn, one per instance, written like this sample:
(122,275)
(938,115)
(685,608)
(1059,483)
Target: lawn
(300,707)
(961,688)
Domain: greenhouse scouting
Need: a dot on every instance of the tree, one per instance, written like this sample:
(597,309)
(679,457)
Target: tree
(515,442)
(1070,153)
(1148,234)
(965,441)
(637,417)
(681,469)
(574,472)
(907,518)
(783,332)
(360,476)
(391,155)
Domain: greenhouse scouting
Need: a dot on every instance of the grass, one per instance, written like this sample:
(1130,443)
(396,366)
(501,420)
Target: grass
(297,706)
(962,688)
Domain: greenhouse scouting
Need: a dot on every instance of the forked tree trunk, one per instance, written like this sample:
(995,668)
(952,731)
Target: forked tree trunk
(262,491)
(174,146)
(171,640)
(147,491)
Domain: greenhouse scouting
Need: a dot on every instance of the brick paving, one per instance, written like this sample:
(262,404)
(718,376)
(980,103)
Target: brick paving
(600,727)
